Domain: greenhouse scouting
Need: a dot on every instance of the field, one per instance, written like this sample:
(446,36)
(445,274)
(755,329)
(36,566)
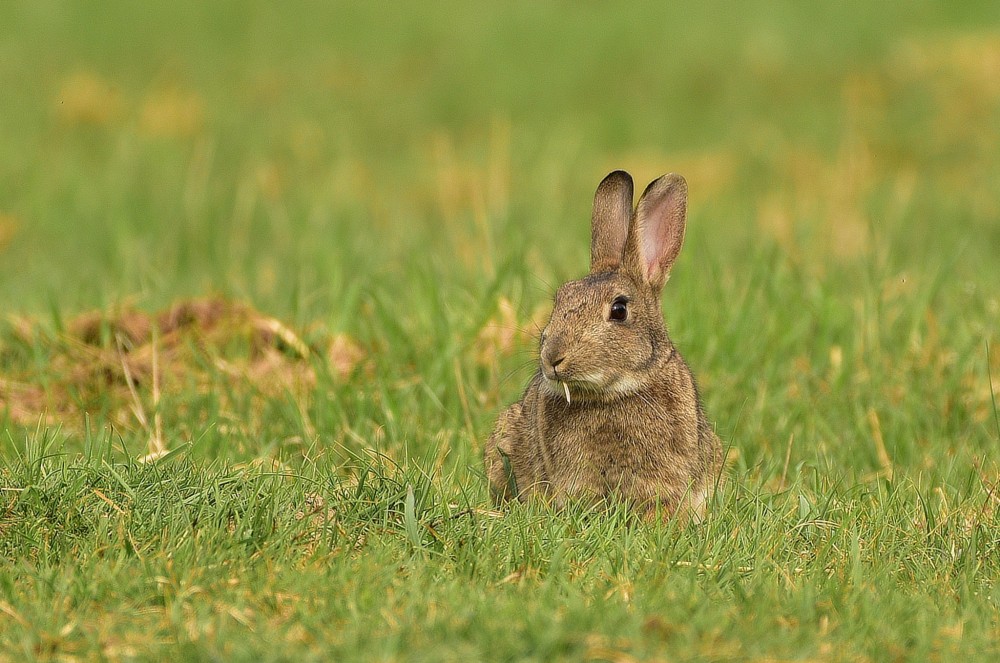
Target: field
(268,271)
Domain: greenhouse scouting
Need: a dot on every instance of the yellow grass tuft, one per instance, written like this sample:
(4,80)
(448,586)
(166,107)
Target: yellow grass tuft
(9,225)
(505,333)
(172,112)
(85,98)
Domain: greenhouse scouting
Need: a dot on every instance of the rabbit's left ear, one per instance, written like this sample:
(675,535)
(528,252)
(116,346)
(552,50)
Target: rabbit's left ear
(657,233)
(610,221)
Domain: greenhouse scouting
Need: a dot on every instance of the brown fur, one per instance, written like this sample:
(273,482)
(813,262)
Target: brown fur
(633,428)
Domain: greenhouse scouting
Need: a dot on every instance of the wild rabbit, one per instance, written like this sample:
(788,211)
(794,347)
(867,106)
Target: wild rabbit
(613,411)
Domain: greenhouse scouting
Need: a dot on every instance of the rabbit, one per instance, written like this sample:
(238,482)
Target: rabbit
(613,412)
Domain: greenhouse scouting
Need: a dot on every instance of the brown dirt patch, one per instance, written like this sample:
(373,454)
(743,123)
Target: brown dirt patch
(126,363)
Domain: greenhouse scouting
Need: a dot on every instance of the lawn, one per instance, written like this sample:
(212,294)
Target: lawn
(268,272)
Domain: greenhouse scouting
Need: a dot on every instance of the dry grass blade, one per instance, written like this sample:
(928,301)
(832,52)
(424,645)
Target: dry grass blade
(137,408)
(466,410)
(274,326)
(883,456)
(13,614)
(157,447)
(788,456)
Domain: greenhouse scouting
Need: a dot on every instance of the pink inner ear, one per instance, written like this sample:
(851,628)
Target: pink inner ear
(661,237)
(652,246)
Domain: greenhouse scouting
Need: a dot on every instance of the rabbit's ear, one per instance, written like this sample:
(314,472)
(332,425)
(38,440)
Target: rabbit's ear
(657,233)
(610,221)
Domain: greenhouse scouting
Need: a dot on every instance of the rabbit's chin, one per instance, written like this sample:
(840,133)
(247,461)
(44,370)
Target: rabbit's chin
(592,387)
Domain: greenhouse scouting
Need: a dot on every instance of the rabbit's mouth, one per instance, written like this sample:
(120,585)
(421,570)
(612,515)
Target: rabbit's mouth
(573,389)
(560,388)
(591,387)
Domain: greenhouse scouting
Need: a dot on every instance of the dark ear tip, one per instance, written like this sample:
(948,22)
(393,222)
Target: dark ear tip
(668,182)
(619,176)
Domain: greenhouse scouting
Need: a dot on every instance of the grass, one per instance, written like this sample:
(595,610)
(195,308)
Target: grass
(267,276)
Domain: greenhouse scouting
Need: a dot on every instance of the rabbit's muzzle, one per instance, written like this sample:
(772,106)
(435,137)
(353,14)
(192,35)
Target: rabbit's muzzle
(551,357)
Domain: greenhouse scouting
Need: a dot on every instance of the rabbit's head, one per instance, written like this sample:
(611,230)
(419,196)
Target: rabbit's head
(606,333)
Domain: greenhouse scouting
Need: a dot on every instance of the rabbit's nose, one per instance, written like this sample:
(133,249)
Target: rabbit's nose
(551,360)
(553,353)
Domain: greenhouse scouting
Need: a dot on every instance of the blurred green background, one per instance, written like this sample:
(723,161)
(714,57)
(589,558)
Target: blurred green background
(283,152)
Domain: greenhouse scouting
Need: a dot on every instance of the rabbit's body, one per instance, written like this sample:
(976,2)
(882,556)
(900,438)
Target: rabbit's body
(613,411)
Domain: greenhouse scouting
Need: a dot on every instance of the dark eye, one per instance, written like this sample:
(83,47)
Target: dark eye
(619,309)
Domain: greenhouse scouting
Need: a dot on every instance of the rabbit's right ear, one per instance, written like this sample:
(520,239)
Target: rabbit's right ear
(610,221)
(656,237)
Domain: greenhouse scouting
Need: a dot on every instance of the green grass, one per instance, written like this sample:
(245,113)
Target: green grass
(413,185)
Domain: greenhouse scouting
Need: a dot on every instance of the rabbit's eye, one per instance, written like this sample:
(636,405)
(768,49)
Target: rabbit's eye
(619,309)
